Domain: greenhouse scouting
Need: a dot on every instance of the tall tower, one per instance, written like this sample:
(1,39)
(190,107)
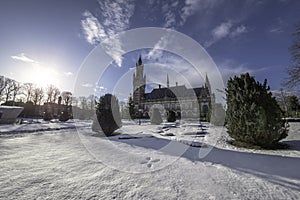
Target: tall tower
(168,83)
(139,84)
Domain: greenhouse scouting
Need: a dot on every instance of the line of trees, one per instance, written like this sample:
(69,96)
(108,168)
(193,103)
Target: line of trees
(12,91)
(293,80)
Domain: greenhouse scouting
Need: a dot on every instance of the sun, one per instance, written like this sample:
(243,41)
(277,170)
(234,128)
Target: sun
(43,76)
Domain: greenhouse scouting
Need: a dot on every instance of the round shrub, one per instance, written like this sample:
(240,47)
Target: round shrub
(156,117)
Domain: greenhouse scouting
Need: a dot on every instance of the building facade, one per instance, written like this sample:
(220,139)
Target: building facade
(185,102)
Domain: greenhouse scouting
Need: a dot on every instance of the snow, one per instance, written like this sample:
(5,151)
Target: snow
(66,161)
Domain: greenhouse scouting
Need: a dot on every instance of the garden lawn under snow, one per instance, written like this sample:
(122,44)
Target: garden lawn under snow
(61,160)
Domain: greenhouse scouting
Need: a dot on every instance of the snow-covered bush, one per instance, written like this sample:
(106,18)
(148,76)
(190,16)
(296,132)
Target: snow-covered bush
(253,115)
(107,115)
(156,117)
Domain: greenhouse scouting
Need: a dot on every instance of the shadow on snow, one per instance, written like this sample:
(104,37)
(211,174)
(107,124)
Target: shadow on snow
(274,168)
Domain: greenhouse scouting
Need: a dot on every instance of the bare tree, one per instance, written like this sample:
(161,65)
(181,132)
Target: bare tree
(8,90)
(56,94)
(52,93)
(49,92)
(294,70)
(91,102)
(41,96)
(83,102)
(16,90)
(37,95)
(28,91)
(66,97)
(75,101)
(2,86)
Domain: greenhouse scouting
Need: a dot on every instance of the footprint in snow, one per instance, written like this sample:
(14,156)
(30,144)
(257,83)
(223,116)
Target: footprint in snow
(149,161)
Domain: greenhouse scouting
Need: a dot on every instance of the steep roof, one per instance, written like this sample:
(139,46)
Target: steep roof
(174,92)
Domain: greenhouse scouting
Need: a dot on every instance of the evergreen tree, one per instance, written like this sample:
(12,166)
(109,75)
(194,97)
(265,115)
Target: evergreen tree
(171,116)
(253,115)
(293,106)
(131,108)
(107,115)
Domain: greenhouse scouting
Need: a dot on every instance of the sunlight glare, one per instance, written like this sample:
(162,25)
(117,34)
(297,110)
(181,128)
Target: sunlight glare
(43,76)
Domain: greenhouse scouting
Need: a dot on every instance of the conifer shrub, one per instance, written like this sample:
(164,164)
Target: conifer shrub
(131,108)
(47,115)
(156,117)
(253,116)
(171,116)
(64,116)
(107,115)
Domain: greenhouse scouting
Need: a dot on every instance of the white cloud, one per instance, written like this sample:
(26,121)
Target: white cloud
(190,7)
(222,30)
(158,48)
(68,73)
(225,29)
(115,18)
(238,31)
(170,13)
(22,57)
(178,69)
(229,68)
(177,12)
(276,30)
(88,85)
(99,90)
(93,30)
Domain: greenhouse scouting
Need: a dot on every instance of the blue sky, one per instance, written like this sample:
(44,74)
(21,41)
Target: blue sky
(47,41)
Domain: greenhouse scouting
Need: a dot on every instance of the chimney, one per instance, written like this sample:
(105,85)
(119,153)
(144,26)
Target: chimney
(176,84)
(159,86)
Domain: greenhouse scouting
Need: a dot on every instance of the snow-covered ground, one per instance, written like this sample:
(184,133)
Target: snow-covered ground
(63,161)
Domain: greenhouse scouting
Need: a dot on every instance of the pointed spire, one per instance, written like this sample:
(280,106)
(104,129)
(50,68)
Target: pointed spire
(140,62)
(168,83)
(207,83)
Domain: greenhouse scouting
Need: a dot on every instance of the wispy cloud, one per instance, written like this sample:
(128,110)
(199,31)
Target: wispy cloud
(279,27)
(225,29)
(88,85)
(230,68)
(238,31)
(24,58)
(99,89)
(222,30)
(93,30)
(157,51)
(176,13)
(115,18)
(68,73)
(276,30)
(178,69)
(192,6)
(169,8)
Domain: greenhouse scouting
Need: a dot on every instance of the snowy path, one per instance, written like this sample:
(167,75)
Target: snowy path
(55,165)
